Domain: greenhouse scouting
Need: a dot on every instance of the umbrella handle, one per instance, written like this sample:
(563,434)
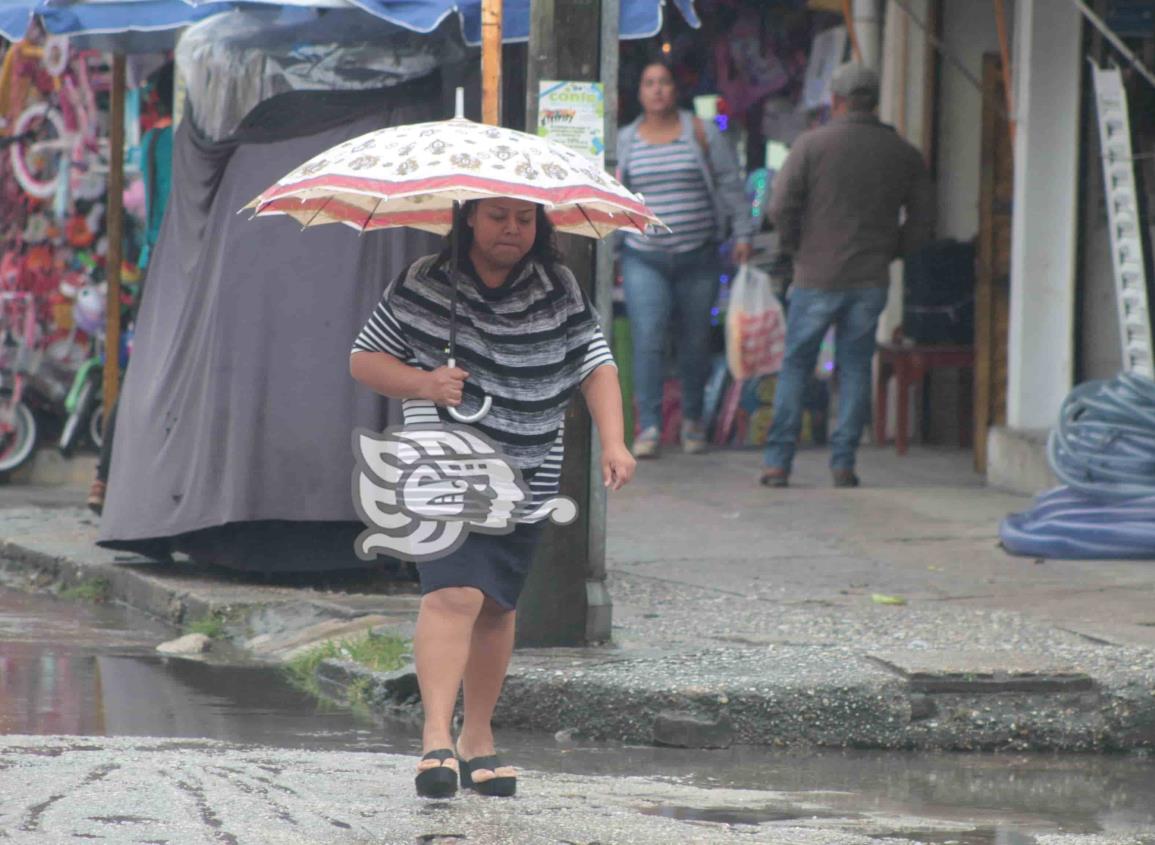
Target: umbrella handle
(486,404)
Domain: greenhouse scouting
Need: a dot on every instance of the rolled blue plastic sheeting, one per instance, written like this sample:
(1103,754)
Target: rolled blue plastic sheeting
(1103,450)
(1065,524)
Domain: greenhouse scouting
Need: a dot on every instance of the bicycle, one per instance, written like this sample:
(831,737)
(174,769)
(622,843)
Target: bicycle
(18,427)
(84,405)
(53,143)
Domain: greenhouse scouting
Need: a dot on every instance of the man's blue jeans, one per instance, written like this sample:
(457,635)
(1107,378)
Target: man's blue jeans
(657,284)
(854,315)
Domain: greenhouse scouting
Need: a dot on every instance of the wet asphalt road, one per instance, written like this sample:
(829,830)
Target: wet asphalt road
(102,739)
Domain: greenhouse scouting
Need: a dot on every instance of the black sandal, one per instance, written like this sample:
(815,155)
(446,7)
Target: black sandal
(497,787)
(440,781)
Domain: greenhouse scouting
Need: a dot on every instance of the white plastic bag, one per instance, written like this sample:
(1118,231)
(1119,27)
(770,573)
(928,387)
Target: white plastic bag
(755,326)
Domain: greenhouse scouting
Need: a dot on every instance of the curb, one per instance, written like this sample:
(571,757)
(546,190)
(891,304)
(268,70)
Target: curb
(40,571)
(775,696)
(160,598)
(884,714)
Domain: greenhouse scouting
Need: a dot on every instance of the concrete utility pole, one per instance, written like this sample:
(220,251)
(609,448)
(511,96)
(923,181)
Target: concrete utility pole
(566,602)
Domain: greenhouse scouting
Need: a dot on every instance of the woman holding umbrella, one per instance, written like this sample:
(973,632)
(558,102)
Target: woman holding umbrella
(527,338)
(498,300)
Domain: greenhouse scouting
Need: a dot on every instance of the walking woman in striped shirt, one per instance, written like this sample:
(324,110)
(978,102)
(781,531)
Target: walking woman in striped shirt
(527,337)
(689,176)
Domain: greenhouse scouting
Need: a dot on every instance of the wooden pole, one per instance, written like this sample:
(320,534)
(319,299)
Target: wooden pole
(1005,56)
(491,62)
(848,16)
(115,234)
(541,58)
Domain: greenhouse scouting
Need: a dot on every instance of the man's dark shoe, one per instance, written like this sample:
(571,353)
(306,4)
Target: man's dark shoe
(774,477)
(844,478)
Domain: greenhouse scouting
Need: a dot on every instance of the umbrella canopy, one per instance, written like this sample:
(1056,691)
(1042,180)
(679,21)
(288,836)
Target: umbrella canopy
(413,175)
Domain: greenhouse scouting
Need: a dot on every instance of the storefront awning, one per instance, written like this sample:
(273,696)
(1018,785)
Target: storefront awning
(98,17)
(639,18)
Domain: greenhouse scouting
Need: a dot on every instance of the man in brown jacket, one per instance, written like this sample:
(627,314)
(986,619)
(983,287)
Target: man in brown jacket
(838,206)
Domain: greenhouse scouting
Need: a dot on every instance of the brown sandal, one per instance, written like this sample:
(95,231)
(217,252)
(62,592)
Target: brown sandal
(774,477)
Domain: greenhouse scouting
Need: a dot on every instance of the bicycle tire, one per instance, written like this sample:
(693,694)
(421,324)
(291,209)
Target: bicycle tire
(16,448)
(70,435)
(96,426)
(22,169)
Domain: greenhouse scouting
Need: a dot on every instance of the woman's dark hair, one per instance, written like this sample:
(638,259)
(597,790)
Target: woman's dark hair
(162,82)
(544,249)
(658,60)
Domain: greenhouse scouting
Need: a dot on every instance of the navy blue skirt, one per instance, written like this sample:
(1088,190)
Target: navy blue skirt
(496,564)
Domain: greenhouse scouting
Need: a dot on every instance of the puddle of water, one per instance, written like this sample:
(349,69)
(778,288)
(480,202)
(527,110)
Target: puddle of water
(984,836)
(725,815)
(91,670)
(1081,793)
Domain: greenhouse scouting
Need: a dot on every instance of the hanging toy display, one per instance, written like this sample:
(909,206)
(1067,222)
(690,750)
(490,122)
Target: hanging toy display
(53,179)
(89,308)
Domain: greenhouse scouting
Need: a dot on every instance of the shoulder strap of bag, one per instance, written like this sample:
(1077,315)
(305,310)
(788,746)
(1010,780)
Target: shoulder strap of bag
(700,134)
(704,144)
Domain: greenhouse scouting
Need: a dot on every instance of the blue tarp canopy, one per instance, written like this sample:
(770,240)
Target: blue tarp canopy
(639,18)
(97,17)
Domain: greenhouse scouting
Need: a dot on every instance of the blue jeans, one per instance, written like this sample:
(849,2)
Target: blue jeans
(657,284)
(854,315)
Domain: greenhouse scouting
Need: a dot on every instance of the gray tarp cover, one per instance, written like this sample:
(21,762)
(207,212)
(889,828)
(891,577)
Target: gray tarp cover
(238,405)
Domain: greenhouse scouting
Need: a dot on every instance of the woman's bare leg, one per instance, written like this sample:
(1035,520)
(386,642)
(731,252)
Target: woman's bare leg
(489,653)
(441,648)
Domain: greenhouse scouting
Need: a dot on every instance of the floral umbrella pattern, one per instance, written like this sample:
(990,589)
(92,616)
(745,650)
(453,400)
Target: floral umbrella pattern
(412,175)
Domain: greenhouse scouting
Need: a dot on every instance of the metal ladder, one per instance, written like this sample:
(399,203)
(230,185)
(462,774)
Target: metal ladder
(1124,222)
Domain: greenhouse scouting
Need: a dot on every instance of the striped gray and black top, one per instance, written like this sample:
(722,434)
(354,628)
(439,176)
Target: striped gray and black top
(669,177)
(528,344)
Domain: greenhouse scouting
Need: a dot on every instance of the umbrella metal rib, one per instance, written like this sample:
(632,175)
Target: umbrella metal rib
(317,213)
(593,228)
(372,213)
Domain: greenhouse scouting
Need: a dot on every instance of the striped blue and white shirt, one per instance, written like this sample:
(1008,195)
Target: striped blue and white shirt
(528,344)
(674,187)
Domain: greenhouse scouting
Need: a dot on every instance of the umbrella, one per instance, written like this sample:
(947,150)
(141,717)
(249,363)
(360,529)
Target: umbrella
(418,175)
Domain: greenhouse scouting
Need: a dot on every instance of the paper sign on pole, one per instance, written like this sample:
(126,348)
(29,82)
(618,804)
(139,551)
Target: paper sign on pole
(573,114)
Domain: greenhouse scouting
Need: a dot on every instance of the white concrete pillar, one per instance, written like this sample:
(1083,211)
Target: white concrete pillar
(868,28)
(1048,68)
(905,73)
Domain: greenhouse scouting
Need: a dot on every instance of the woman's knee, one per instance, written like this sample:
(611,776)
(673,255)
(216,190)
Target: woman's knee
(454,601)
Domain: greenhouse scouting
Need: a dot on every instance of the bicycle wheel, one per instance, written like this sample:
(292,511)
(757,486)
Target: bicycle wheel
(96,426)
(17,433)
(38,162)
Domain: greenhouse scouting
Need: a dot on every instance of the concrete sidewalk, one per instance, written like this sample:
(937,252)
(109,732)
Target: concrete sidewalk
(747,615)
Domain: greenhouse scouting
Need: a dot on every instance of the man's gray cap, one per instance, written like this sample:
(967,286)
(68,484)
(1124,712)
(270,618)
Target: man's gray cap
(852,77)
